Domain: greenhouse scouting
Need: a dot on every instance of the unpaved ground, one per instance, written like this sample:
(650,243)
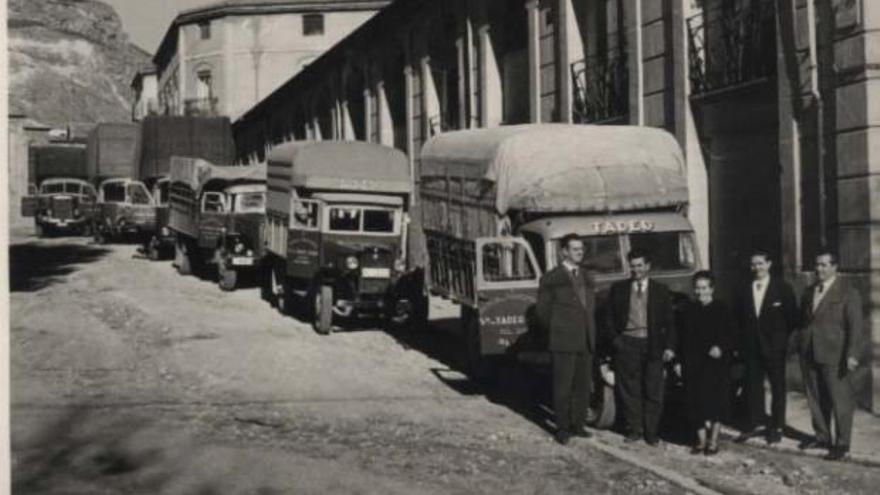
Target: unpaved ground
(128,378)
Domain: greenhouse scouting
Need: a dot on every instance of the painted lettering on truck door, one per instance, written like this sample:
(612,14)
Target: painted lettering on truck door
(304,238)
(507,286)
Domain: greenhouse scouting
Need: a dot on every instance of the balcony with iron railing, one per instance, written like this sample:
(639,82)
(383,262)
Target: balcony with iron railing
(200,107)
(601,88)
(732,47)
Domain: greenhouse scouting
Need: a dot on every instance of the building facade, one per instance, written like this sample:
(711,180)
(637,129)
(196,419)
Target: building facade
(223,58)
(146,90)
(776,104)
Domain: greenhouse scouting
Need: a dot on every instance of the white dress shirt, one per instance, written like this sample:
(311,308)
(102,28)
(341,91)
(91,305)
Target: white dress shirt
(759,290)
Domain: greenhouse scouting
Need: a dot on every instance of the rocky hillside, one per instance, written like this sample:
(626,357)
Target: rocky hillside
(70,60)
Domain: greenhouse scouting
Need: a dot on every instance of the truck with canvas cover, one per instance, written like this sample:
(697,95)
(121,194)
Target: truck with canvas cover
(496,202)
(63,200)
(208,138)
(124,206)
(217,214)
(337,221)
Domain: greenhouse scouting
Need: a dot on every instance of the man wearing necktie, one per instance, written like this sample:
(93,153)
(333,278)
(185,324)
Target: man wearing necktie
(566,309)
(831,342)
(639,325)
(767,314)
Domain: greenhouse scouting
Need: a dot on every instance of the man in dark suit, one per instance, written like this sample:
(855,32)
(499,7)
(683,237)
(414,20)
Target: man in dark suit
(767,314)
(566,308)
(639,324)
(831,342)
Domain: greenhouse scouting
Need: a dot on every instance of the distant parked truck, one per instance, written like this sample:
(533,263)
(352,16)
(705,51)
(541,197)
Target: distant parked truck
(337,230)
(162,137)
(217,214)
(496,202)
(124,205)
(61,199)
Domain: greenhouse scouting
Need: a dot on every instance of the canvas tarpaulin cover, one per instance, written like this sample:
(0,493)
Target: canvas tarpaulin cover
(58,160)
(196,172)
(209,138)
(470,180)
(340,166)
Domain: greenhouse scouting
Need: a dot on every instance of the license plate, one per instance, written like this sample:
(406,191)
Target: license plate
(242,261)
(375,272)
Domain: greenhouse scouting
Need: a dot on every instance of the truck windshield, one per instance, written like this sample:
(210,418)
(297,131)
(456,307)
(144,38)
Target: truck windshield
(670,251)
(72,188)
(52,188)
(361,219)
(138,194)
(601,253)
(250,202)
(114,192)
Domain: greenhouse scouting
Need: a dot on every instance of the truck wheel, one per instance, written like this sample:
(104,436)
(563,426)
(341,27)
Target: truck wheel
(86,230)
(279,291)
(603,410)
(181,259)
(100,236)
(323,317)
(153,252)
(482,369)
(227,277)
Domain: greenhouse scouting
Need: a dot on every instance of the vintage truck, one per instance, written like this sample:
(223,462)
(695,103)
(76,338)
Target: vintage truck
(124,206)
(217,214)
(495,203)
(164,136)
(337,230)
(62,200)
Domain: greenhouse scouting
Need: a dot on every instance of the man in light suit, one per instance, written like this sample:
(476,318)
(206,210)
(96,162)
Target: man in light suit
(565,308)
(767,314)
(831,341)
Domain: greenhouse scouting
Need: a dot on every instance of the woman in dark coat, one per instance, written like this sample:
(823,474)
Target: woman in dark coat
(705,339)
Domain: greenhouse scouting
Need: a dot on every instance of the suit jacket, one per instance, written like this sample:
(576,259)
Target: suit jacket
(767,335)
(660,315)
(569,321)
(834,331)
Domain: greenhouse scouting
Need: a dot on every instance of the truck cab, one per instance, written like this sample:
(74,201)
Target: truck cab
(61,204)
(124,208)
(337,232)
(161,240)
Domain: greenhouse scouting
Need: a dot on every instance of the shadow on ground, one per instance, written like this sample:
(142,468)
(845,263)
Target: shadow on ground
(34,266)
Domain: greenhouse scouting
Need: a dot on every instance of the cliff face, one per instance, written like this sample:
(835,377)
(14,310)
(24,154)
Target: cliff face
(70,61)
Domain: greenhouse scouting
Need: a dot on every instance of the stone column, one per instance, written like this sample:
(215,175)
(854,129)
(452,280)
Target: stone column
(534,61)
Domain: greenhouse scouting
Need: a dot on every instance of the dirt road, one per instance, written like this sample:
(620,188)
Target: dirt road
(128,378)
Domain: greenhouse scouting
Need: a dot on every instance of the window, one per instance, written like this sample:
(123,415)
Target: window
(254,202)
(205,30)
(138,194)
(313,24)
(506,261)
(305,214)
(52,188)
(72,188)
(213,202)
(345,219)
(602,253)
(670,251)
(204,89)
(378,221)
(114,192)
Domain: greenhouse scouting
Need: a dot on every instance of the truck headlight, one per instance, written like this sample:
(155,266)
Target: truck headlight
(165,232)
(400,265)
(239,248)
(49,213)
(351,263)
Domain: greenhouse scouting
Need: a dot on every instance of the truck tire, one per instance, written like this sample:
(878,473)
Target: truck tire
(181,259)
(153,251)
(279,291)
(603,410)
(227,278)
(482,369)
(323,314)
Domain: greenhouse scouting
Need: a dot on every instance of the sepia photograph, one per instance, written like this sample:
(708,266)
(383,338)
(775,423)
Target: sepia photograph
(266,247)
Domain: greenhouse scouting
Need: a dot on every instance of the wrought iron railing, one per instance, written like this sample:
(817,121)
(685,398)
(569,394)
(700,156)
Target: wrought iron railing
(200,107)
(732,46)
(601,87)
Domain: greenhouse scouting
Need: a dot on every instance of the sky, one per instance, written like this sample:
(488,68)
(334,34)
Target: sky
(146,21)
